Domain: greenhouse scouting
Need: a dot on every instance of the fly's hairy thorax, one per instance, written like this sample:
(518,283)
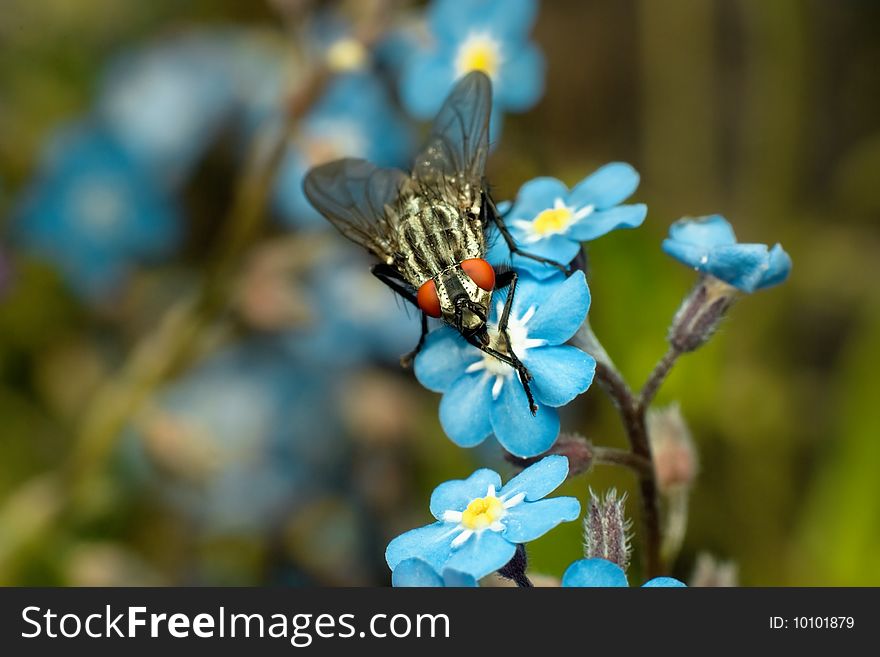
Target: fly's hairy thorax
(434,235)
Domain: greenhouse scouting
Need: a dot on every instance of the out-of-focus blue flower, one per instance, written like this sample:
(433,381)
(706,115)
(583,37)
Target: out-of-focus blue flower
(479,522)
(709,245)
(486,35)
(94,210)
(549,220)
(482,395)
(418,573)
(354,118)
(603,573)
(246,439)
(166,102)
(356,317)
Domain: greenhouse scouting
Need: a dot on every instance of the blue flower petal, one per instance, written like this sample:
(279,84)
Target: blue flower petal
(457,494)
(664,582)
(740,265)
(505,19)
(415,573)
(594,573)
(463,410)
(528,521)
(520,81)
(560,315)
(425,82)
(555,247)
(535,196)
(517,430)
(443,359)
(530,291)
(538,480)
(604,221)
(432,543)
(560,373)
(709,231)
(778,269)
(456,579)
(606,187)
(481,554)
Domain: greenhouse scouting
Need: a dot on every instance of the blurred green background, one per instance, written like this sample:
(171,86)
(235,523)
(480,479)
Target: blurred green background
(766,112)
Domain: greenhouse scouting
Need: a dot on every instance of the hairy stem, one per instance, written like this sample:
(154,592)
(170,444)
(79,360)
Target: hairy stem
(632,415)
(655,380)
(623,458)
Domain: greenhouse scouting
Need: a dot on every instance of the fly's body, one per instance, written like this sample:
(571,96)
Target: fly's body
(429,229)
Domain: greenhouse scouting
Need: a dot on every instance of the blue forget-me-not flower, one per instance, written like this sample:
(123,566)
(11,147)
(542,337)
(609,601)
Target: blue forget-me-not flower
(709,245)
(549,220)
(354,118)
(167,102)
(484,35)
(246,439)
(94,210)
(603,573)
(482,395)
(416,572)
(480,522)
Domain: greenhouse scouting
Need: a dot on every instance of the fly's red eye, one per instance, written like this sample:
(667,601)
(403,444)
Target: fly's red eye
(481,273)
(428,300)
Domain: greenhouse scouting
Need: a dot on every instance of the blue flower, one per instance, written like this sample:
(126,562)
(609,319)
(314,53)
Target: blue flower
(479,522)
(418,573)
(709,245)
(483,395)
(167,102)
(354,118)
(486,35)
(603,573)
(549,220)
(245,440)
(94,211)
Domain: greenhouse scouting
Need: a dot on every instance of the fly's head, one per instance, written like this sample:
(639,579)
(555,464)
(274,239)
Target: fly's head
(461,296)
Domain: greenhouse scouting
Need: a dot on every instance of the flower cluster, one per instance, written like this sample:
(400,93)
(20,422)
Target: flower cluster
(483,35)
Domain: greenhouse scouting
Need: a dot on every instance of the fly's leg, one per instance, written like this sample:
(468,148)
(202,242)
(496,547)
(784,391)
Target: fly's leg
(514,362)
(391,278)
(495,217)
(509,278)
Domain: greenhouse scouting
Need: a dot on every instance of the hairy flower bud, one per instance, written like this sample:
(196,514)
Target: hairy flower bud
(675,458)
(700,313)
(607,529)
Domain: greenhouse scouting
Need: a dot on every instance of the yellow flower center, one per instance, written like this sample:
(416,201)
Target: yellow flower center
(482,512)
(554,220)
(346,55)
(479,52)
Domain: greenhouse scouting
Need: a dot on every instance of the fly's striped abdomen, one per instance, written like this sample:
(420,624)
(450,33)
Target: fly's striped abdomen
(434,236)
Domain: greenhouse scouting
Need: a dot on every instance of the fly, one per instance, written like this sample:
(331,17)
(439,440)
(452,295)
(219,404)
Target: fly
(429,229)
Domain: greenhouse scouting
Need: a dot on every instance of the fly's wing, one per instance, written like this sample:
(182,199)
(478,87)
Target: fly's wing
(459,143)
(353,194)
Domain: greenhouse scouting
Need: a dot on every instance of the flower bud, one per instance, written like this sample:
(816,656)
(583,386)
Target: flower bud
(700,313)
(675,458)
(577,449)
(607,529)
(714,573)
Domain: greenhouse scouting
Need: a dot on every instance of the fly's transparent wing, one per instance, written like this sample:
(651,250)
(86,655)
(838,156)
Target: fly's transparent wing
(459,143)
(352,194)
